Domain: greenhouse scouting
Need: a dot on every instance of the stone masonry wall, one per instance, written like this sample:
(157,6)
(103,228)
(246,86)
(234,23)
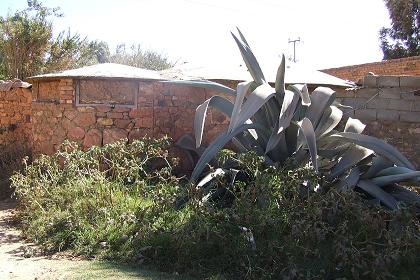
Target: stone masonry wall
(15,118)
(390,107)
(402,66)
(162,109)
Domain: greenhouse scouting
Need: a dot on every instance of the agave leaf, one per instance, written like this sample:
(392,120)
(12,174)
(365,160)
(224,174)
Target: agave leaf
(377,145)
(242,37)
(354,125)
(329,120)
(204,84)
(287,109)
(391,179)
(378,163)
(218,144)
(308,132)
(209,177)
(321,99)
(302,90)
(375,191)
(349,182)
(394,170)
(250,61)
(218,102)
(241,91)
(254,102)
(187,144)
(353,156)
(279,84)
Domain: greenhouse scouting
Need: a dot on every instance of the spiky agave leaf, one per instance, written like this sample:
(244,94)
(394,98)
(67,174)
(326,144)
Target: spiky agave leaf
(218,102)
(377,192)
(204,84)
(379,146)
(250,61)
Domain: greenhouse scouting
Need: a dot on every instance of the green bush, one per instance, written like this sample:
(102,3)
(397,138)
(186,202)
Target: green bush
(265,225)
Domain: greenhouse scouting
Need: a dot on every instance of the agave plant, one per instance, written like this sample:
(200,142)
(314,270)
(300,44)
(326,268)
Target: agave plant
(280,123)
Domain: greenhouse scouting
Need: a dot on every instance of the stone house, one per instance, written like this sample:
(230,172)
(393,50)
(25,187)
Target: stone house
(99,104)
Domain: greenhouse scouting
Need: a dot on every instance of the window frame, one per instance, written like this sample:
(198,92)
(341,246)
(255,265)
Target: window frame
(112,105)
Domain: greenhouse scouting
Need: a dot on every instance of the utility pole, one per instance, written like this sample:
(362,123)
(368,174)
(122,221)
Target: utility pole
(294,47)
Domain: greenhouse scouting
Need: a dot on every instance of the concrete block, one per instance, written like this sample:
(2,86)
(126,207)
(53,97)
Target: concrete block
(388,81)
(409,95)
(400,104)
(366,92)
(345,93)
(387,115)
(410,81)
(378,103)
(366,114)
(410,117)
(370,81)
(416,106)
(393,93)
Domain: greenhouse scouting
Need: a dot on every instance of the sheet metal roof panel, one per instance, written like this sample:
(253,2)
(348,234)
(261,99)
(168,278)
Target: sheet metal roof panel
(295,74)
(104,70)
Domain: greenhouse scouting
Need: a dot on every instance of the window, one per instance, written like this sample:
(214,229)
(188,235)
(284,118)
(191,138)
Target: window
(115,93)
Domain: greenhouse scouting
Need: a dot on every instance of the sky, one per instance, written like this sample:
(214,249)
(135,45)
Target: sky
(332,33)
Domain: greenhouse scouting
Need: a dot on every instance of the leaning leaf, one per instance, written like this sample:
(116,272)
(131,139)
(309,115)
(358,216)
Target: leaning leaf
(218,102)
(218,144)
(354,125)
(375,191)
(250,61)
(378,163)
(254,102)
(287,109)
(308,132)
(321,99)
(353,156)
(330,119)
(303,92)
(391,179)
(379,146)
(241,91)
(204,84)
(349,182)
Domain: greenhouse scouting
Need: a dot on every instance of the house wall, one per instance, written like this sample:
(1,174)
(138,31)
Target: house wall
(162,109)
(403,66)
(390,107)
(15,116)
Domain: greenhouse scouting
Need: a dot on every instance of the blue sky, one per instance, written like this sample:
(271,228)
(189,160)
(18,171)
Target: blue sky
(333,32)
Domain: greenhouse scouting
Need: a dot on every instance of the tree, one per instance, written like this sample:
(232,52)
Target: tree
(138,57)
(403,38)
(28,47)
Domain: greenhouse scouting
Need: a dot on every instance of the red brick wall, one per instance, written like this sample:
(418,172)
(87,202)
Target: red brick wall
(15,117)
(162,109)
(402,66)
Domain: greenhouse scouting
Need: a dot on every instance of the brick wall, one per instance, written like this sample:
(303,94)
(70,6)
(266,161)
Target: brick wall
(15,117)
(403,66)
(162,109)
(390,107)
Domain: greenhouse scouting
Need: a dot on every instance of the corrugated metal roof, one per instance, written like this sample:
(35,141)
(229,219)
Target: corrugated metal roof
(16,83)
(104,70)
(295,74)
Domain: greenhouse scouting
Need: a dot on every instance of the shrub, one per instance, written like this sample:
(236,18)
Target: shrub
(273,228)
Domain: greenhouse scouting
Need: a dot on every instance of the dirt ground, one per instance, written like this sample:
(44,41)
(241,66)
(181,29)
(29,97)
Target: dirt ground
(22,260)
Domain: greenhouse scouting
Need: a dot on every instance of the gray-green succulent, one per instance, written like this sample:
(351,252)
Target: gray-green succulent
(279,123)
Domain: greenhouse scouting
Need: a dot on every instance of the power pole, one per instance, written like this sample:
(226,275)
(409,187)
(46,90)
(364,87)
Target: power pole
(294,47)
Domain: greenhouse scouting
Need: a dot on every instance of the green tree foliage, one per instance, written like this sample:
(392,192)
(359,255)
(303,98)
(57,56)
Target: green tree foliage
(403,38)
(28,46)
(138,57)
